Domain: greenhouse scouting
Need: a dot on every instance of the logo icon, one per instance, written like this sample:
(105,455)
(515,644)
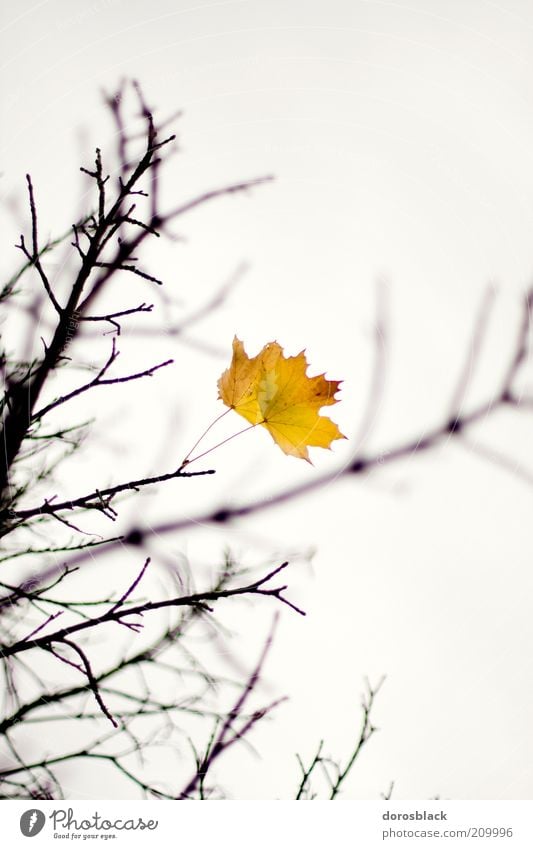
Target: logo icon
(32,822)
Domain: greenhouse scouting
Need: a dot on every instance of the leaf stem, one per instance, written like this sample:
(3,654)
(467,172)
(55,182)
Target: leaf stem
(228,439)
(186,461)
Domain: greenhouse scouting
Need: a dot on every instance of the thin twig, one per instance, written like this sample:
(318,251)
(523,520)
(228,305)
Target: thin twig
(99,499)
(100,381)
(93,684)
(116,614)
(35,256)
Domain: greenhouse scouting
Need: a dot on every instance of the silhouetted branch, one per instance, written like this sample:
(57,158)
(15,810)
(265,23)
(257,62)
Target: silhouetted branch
(34,256)
(331,770)
(112,316)
(98,230)
(121,686)
(100,499)
(100,381)
(474,350)
(92,680)
(303,791)
(117,613)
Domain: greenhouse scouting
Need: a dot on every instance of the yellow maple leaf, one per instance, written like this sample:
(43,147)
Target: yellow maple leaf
(275,392)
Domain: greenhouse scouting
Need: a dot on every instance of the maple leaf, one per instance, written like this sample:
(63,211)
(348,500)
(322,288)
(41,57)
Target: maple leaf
(275,392)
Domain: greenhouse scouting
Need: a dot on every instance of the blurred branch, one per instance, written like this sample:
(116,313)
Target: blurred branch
(117,686)
(474,350)
(227,734)
(362,464)
(379,370)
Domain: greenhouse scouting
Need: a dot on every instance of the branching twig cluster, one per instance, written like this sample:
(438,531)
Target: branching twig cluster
(49,631)
(331,771)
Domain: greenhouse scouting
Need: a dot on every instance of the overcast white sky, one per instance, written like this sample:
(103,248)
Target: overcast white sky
(401,138)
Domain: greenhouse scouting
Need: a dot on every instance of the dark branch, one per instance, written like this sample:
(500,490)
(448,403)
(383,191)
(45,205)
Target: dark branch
(100,498)
(117,613)
(34,257)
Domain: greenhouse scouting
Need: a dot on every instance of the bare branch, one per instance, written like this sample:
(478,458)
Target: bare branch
(100,499)
(92,680)
(34,257)
(474,349)
(334,774)
(100,381)
(228,735)
(117,613)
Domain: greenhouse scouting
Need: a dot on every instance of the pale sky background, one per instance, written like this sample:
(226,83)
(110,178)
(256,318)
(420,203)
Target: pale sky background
(401,138)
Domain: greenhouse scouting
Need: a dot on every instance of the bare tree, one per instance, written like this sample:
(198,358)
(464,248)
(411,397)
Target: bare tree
(153,690)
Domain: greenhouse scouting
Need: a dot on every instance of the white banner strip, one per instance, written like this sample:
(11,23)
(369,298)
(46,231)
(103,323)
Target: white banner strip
(261,825)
